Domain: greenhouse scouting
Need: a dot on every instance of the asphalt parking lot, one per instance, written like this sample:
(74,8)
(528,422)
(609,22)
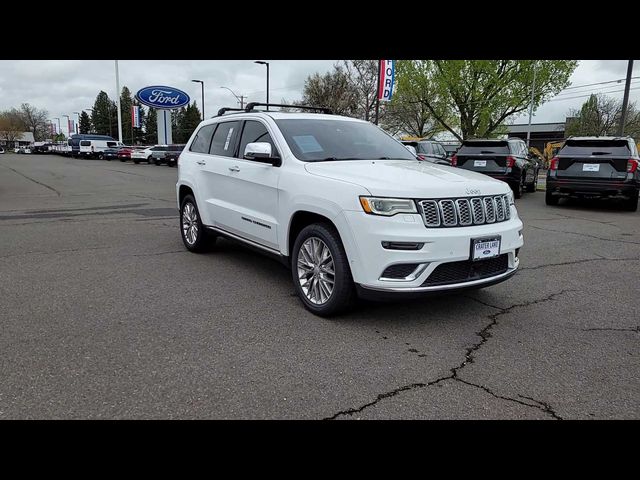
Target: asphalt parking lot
(104,314)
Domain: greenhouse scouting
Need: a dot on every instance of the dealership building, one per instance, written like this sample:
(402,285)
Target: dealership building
(541,133)
(22,139)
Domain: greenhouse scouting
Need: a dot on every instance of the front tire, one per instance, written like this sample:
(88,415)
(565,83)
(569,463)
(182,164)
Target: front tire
(518,189)
(532,186)
(320,270)
(193,233)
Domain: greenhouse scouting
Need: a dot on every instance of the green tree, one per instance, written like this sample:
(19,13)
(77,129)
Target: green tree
(190,120)
(85,123)
(600,115)
(102,115)
(126,101)
(473,98)
(11,126)
(150,127)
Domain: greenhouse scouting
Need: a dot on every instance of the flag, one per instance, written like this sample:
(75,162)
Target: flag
(135,116)
(385,86)
(70,125)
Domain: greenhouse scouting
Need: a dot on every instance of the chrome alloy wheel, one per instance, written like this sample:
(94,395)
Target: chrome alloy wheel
(316,271)
(190,223)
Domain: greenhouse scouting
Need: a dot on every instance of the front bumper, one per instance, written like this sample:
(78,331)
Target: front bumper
(369,259)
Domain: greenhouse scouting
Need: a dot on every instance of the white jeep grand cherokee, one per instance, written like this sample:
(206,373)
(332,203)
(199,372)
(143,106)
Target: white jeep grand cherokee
(347,206)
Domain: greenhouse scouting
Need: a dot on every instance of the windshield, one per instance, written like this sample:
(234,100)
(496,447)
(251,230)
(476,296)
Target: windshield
(315,140)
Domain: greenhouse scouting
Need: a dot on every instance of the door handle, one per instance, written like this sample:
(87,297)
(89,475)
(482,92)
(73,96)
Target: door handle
(201,162)
(234,169)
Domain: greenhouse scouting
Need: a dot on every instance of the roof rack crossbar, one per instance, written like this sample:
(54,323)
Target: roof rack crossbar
(229,109)
(250,107)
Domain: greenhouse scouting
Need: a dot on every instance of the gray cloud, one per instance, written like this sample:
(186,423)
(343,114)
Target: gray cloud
(64,86)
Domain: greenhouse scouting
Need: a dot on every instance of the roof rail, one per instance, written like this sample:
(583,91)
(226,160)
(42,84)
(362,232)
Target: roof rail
(250,107)
(229,109)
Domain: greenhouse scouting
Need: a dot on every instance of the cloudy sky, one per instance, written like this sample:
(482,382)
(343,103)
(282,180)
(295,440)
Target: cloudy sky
(64,87)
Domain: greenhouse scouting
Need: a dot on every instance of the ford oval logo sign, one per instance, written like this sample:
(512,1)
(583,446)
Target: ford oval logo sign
(163,97)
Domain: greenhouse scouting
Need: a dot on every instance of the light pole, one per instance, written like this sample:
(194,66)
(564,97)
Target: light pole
(625,100)
(68,129)
(267,64)
(77,121)
(240,98)
(533,90)
(118,98)
(201,85)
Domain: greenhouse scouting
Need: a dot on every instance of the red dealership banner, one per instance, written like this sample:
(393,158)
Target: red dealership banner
(135,116)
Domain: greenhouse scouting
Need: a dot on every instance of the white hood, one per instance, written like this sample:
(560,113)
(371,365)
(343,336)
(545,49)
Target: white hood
(406,178)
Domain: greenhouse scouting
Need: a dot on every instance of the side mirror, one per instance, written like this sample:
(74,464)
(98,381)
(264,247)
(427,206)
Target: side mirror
(412,149)
(260,152)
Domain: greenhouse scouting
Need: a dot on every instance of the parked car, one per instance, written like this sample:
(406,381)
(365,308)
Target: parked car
(344,205)
(171,157)
(162,153)
(143,154)
(110,153)
(450,148)
(506,160)
(429,150)
(1,150)
(22,149)
(595,167)
(124,153)
(41,147)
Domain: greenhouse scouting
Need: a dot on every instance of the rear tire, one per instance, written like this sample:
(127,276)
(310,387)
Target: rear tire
(313,268)
(532,186)
(194,236)
(157,162)
(631,205)
(550,199)
(518,189)
(149,160)
(137,162)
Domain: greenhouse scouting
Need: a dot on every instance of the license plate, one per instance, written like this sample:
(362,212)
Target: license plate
(591,167)
(479,163)
(482,248)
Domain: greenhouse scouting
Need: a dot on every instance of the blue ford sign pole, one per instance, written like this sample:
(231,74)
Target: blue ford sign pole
(163,99)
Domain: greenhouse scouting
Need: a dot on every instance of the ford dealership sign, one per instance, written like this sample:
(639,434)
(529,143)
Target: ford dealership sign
(162,97)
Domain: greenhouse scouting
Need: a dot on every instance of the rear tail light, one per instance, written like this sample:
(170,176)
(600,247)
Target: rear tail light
(511,162)
(421,156)
(632,165)
(454,161)
(554,163)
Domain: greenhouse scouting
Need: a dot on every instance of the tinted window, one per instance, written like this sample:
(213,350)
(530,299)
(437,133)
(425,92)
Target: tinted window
(595,147)
(423,147)
(224,139)
(324,139)
(176,148)
(255,132)
(85,143)
(112,144)
(486,147)
(202,141)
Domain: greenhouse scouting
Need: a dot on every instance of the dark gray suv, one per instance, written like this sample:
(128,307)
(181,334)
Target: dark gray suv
(429,150)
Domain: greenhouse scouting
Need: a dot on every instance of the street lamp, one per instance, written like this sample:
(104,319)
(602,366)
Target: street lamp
(240,98)
(267,64)
(68,129)
(201,85)
(77,121)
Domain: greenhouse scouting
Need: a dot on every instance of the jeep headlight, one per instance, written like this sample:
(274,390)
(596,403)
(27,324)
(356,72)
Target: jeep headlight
(387,206)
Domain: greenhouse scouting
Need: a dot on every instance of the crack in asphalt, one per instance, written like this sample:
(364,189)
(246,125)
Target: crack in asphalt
(54,252)
(575,262)
(158,253)
(611,329)
(484,335)
(585,235)
(34,181)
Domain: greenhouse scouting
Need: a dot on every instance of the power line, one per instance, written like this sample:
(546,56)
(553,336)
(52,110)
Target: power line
(585,91)
(583,96)
(598,83)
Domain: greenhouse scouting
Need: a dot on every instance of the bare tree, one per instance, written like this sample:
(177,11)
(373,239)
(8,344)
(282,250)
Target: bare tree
(11,126)
(34,120)
(332,90)
(363,75)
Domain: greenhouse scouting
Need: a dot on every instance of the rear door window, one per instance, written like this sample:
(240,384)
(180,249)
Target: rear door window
(225,139)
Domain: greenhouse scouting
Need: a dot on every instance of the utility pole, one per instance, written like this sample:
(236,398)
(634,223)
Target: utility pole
(533,90)
(118,97)
(242,97)
(378,93)
(625,101)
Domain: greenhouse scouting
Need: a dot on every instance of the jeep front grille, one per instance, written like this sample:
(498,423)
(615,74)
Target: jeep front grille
(463,212)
